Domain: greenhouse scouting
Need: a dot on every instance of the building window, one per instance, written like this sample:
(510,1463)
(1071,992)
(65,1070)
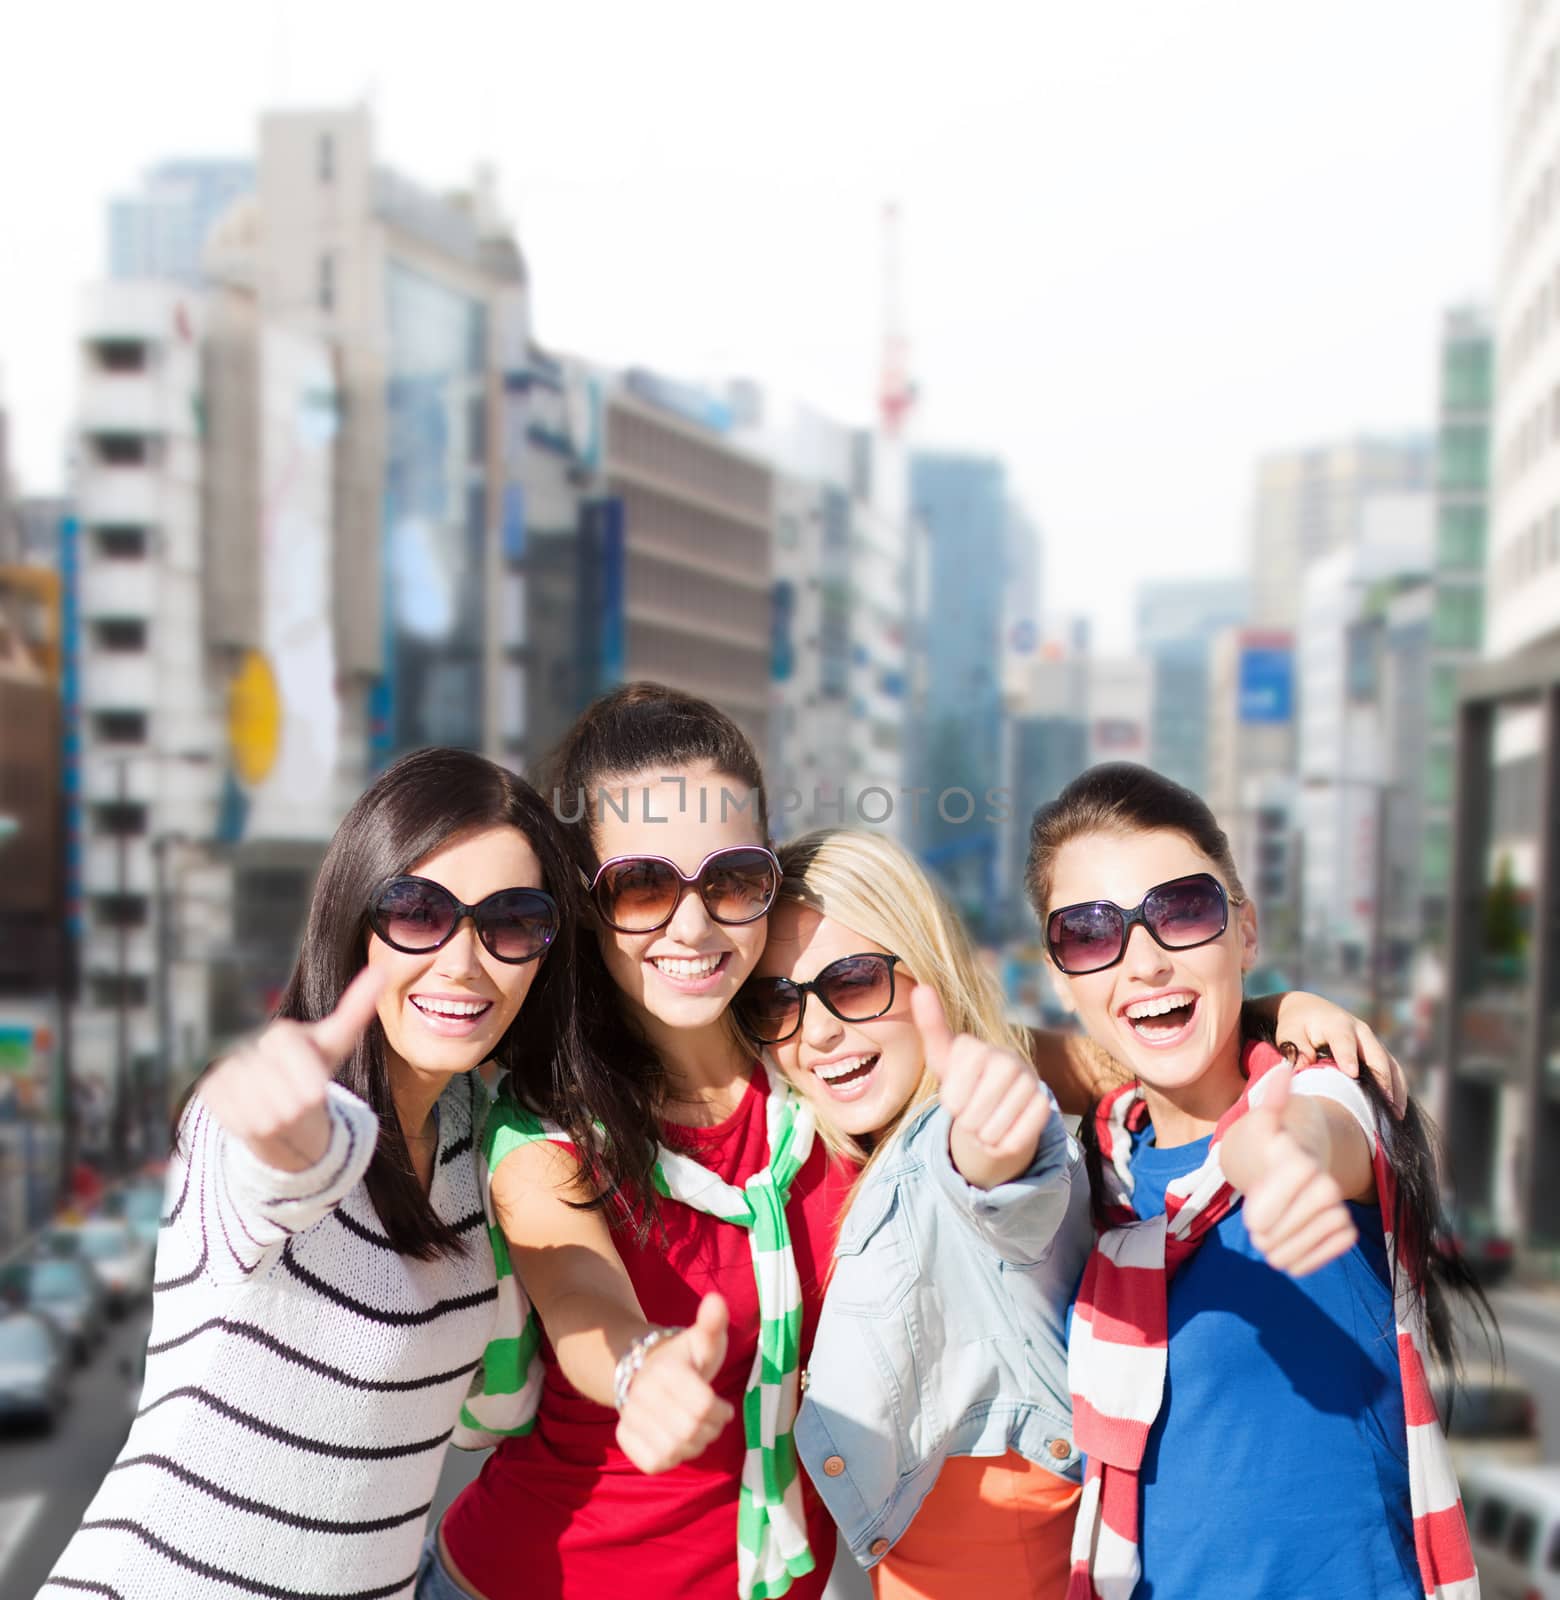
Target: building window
(120,634)
(1466,376)
(1460,538)
(1443,694)
(325,154)
(120,910)
(121,449)
(327,282)
(112,990)
(121,355)
(1458,622)
(119,818)
(120,542)
(119,727)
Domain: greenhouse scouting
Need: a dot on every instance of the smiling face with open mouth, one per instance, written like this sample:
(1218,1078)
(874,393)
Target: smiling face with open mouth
(861,1075)
(680,977)
(444,1011)
(1171,1017)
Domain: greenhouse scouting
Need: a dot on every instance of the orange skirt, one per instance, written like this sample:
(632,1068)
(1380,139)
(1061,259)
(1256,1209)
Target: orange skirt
(999,1527)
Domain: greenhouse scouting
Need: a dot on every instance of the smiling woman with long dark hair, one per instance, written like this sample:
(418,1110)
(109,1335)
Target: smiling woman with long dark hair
(324,1286)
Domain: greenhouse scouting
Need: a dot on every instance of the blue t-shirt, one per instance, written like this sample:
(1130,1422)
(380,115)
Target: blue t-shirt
(1278,1466)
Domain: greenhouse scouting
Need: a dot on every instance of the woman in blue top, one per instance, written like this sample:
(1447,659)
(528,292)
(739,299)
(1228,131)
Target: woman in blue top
(1250,1431)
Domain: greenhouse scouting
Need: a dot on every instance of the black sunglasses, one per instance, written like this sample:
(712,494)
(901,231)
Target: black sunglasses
(1179,915)
(854,988)
(638,894)
(417,915)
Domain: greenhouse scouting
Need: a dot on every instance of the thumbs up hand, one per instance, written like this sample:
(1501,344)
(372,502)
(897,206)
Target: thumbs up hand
(271,1093)
(996,1105)
(1277,1156)
(672,1412)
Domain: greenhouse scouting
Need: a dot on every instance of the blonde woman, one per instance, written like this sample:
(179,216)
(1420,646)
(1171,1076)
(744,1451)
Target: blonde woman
(937,1421)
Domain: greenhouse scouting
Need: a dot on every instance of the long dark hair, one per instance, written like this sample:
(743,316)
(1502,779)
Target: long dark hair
(1123,798)
(636,729)
(412,810)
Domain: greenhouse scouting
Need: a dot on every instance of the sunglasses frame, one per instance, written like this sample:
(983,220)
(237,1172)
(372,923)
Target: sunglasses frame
(811,987)
(592,887)
(462,911)
(1135,917)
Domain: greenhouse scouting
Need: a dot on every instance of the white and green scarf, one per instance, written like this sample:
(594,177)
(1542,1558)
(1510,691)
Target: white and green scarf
(772,1544)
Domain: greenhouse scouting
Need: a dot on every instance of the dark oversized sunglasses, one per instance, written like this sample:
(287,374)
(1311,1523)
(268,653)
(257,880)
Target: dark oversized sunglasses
(638,894)
(854,988)
(417,915)
(1179,915)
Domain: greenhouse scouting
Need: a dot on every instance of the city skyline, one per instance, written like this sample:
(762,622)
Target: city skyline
(1120,245)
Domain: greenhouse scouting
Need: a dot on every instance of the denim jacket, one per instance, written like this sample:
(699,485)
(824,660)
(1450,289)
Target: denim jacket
(944,1329)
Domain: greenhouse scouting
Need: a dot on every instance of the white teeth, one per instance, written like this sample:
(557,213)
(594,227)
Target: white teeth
(1157,1008)
(452,1008)
(686,967)
(832,1070)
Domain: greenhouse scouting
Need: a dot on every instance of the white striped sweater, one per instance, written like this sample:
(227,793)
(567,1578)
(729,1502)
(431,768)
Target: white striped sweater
(302,1377)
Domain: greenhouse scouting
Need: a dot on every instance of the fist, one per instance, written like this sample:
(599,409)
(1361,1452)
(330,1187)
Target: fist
(271,1093)
(673,1413)
(996,1105)
(1295,1210)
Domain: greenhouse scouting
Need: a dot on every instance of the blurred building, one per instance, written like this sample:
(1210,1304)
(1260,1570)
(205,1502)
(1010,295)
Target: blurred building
(1250,763)
(1177,620)
(840,658)
(1355,812)
(159,233)
(1457,609)
(962,502)
(1503,970)
(1311,502)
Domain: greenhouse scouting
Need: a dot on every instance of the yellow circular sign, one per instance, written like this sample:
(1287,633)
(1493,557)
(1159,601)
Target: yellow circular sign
(254,719)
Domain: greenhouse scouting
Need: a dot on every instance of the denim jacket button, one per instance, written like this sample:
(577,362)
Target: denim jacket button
(878,1547)
(834,1466)
(1060,1449)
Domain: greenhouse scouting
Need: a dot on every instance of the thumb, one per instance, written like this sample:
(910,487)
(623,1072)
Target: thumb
(1275,1093)
(707,1337)
(336,1036)
(926,1008)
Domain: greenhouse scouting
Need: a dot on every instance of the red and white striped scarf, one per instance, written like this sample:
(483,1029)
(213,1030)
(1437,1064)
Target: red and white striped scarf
(1118,1348)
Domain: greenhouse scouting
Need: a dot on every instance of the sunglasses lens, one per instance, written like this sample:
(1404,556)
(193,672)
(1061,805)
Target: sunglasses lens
(738,885)
(412,915)
(637,895)
(518,925)
(1085,938)
(858,988)
(1186,913)
(768,1008)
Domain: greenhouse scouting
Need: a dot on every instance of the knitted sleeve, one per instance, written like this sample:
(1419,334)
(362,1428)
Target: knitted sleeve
(232,1213)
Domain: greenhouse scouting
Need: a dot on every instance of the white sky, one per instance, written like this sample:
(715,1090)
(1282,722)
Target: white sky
(1143,243)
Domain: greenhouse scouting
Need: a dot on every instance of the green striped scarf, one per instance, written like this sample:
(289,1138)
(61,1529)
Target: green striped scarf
(772,1544)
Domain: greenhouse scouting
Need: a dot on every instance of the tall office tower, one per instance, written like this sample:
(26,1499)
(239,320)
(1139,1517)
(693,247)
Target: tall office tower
(158,233)
(842,592)
(1177,620)
(962,503)
(1310,502)
(1503,964)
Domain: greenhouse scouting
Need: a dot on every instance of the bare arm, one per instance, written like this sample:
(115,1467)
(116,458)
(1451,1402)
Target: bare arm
(1074,1068)
(576,1279)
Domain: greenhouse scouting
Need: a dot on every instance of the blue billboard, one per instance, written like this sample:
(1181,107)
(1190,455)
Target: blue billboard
(1267,684)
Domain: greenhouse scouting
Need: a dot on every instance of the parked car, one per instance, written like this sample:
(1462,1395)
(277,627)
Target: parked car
(66,1291)
(141,1206)
(1514,1518)
(1489,1415)
(122,1262)
(34,1370)
(1489,1253)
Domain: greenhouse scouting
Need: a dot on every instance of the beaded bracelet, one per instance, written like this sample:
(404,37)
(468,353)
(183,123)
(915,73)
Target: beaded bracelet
(633,1359)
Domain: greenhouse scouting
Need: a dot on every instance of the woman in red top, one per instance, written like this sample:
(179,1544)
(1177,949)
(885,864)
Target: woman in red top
(672,835)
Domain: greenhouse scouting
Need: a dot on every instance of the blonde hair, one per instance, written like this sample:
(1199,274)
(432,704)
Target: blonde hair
(878,889)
